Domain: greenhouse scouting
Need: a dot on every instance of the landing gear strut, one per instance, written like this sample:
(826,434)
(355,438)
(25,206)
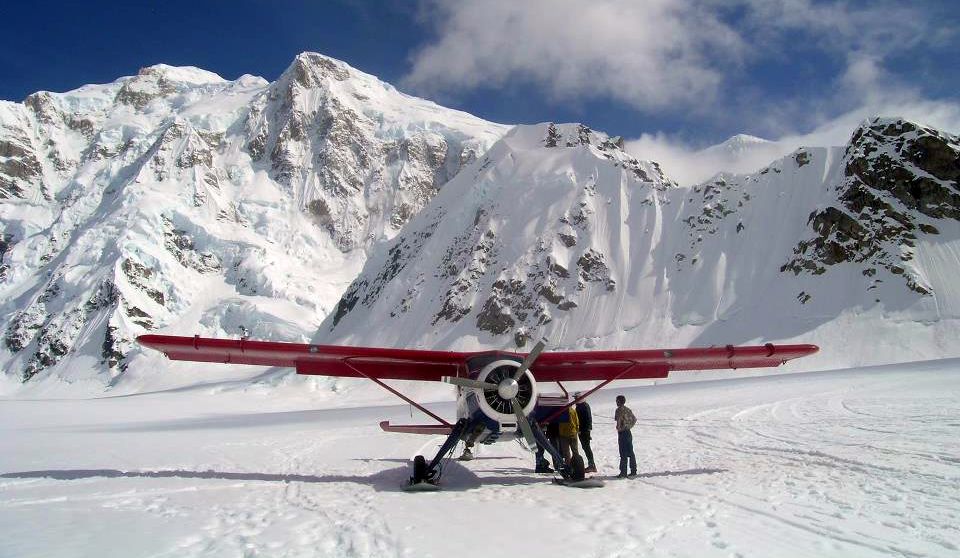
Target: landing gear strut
(426,475)
(568,472)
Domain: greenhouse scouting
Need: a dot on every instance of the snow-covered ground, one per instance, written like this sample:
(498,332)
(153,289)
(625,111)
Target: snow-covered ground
(859,462)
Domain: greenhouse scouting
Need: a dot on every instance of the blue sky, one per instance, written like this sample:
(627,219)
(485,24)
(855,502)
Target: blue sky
(680,72)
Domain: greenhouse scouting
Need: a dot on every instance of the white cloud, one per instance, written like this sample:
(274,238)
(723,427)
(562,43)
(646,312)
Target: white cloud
(877,27)
(690,165)
(694,56)
(647,54)
(864,90)
(655,55)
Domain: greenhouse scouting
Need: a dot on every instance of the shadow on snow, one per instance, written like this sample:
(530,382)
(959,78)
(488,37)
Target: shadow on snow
(456,477)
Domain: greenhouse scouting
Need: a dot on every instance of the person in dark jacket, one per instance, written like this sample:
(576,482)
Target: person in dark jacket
(552,432)
(586,425)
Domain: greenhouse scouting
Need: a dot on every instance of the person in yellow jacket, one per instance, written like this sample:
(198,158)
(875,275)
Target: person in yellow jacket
(569,430)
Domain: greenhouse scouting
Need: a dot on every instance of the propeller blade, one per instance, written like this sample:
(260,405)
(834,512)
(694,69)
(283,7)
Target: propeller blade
(468,383)
(528,362)
(524,423)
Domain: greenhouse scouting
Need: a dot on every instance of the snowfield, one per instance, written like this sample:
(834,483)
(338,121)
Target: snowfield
(858,462)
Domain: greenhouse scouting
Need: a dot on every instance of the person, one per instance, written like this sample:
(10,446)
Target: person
(551,432)
(553,436)
(568,435)
(585,416)
(542,465)
(471,440)
(624,421)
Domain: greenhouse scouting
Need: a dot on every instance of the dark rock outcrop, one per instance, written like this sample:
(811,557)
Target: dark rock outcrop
(899,180)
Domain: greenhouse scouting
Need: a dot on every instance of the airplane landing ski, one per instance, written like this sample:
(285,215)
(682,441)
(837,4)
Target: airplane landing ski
(585,483)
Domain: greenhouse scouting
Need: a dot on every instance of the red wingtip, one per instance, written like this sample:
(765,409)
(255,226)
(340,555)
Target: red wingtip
(147,340)
(803,350)
(159,342)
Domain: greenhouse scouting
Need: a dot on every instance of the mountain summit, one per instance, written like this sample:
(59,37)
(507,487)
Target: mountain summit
(177,199)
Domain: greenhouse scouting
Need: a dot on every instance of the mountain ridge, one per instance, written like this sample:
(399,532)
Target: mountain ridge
(717,264)
(313,206)
(133,205)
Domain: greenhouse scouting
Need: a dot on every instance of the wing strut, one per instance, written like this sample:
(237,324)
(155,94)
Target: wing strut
(398,394)
(584,395)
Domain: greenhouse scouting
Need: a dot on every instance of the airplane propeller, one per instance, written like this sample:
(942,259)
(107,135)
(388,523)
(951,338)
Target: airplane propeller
(468,383)
(517,408)
(532,356)
(524,424)
(508,389)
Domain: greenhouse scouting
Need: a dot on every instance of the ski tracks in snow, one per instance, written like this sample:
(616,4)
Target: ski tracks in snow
(812,465)
(292,520)
(868,473)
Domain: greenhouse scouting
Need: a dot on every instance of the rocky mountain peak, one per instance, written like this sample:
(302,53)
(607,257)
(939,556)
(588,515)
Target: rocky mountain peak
(577,135)
(311,69)
(358,155)
(901,182)
(162,80)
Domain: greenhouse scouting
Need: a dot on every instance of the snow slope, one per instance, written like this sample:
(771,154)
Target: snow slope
(570,238)
(854,463)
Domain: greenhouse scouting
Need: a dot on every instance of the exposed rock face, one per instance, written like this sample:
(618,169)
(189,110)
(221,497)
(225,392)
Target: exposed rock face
(900,180)
(125,207)
(342,148)
(20,171)
(509,245)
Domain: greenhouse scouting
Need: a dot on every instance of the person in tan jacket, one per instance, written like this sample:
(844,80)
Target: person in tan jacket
(625,420)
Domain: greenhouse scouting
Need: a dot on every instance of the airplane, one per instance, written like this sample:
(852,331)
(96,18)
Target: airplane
(497,390)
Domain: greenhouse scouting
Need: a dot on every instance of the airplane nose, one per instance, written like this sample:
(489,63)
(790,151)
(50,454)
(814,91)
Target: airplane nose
(508,388)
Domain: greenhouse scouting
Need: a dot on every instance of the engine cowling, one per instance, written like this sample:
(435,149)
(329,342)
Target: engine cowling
(496,403)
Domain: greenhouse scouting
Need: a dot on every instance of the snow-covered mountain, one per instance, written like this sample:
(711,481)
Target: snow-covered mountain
(741,154)
(557,232)
(177,200)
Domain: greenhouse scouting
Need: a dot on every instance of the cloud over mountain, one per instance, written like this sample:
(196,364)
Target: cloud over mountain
(742,61)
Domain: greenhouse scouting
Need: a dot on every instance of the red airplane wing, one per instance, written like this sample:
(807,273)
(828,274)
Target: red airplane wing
(657,363)
(408,364)
(321,360)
